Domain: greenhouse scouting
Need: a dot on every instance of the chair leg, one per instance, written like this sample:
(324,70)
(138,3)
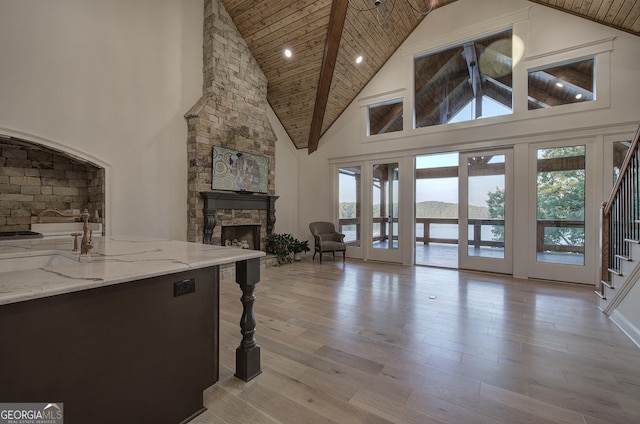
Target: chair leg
(343,255)
(314,255)
(321,256)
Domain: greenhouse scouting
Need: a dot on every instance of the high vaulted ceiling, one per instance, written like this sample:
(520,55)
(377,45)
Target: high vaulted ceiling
(310,90)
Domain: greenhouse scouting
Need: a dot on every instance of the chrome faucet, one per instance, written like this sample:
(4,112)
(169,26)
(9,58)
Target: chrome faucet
(87,236)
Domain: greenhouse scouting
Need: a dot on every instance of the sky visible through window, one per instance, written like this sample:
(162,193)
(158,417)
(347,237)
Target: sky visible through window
(489,108)
(347,188)
(446,189)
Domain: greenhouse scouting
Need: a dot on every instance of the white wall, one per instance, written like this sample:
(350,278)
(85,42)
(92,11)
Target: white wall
(110,81)
(286,179)
(543,30)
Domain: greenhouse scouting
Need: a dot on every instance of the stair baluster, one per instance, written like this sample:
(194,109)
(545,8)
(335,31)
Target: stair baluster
(620,219)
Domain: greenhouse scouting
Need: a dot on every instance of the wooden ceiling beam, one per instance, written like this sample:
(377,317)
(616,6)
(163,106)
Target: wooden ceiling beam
(442,75)
(449,100)
(331,47)
(474,75)
(395,114)
(389,119)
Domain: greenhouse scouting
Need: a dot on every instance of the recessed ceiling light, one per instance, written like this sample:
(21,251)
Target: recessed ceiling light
(559,84)
(578,96)
(288,53)
(359,59)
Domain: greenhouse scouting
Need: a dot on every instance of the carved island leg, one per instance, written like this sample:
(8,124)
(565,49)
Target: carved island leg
(248,353)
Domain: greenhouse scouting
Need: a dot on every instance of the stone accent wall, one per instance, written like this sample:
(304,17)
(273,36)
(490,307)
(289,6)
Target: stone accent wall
(231,113)
(96,194)
(34,178)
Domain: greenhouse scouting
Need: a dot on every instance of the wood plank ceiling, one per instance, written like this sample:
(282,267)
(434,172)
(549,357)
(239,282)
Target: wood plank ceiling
(310,90)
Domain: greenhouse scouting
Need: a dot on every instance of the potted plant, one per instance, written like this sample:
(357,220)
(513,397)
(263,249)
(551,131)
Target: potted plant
(297,247)
(280,245)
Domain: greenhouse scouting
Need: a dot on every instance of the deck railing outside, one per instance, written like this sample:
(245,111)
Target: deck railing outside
(476,240)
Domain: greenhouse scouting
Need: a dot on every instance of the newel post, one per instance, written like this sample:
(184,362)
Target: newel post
(605,240)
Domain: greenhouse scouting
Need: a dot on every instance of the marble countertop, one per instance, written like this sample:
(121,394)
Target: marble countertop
(31,269)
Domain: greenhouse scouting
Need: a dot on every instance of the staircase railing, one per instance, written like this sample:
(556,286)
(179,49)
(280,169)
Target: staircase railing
(620,217)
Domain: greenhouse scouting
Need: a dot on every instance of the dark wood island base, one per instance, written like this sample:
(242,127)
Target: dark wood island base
(136,352)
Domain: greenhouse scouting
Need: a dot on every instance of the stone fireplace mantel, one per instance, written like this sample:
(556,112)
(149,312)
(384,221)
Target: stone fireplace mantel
(215,200)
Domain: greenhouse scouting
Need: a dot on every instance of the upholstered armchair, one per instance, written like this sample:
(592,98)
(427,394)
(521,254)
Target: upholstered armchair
(327,239)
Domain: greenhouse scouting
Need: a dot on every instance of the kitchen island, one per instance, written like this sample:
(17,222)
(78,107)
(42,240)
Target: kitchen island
(128,333)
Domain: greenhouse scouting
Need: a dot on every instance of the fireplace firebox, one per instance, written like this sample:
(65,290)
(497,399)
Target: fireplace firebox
(243,236)
(231,209)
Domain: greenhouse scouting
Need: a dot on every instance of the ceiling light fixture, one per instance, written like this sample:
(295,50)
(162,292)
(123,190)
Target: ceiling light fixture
(578,96)
(359,59)
(384,8)
(288,53)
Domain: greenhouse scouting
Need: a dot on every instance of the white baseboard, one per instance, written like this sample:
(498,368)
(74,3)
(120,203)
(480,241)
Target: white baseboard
(626,326)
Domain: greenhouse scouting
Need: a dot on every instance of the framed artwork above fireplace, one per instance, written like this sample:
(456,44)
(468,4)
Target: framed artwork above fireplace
(239,171)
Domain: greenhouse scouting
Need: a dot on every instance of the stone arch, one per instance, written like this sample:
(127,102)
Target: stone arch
(38,174)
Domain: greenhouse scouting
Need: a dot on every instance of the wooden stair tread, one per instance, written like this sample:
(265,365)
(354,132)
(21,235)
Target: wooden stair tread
(615,271)
(624,258)
(607,284)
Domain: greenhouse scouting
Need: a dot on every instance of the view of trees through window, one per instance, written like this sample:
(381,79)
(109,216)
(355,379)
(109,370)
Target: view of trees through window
(486,175)
(561,202)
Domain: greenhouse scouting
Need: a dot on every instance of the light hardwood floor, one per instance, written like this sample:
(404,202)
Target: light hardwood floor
(365,342)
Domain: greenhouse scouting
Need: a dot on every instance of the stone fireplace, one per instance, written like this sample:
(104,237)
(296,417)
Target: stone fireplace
(232,113)
(229,214)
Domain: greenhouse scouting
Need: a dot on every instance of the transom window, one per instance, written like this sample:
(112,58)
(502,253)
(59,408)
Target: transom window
(466,82)
(561,84)
(385,117)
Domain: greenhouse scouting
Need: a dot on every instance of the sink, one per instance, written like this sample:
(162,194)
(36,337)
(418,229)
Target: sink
(49,229)
(19,235)
(34,260)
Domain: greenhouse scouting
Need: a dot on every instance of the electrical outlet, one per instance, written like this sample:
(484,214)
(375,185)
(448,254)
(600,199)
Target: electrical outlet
(184,287)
